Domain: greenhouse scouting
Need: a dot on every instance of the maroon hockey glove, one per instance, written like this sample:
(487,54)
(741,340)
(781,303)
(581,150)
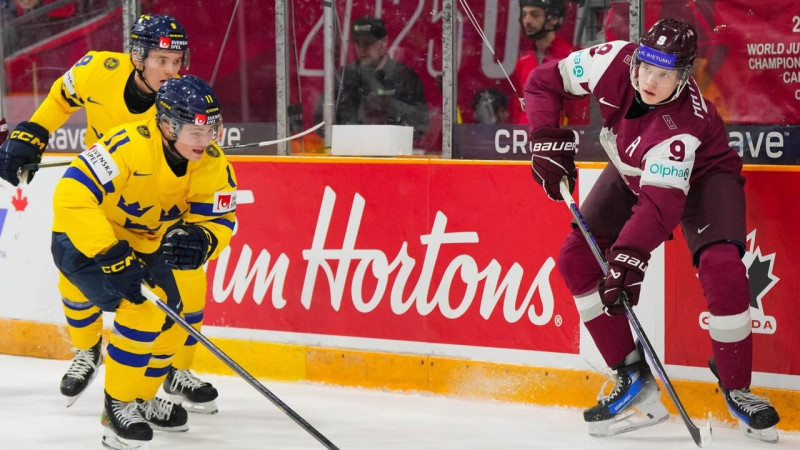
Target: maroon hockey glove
(553,157)
(626,267)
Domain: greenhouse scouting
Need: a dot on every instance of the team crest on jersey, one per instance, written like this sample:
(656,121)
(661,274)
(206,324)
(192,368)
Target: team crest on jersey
(761,280)
(212,151)
(224,202)
(142,129)
(111,63)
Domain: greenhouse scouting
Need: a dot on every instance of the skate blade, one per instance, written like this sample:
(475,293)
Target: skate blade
(112,441)
(766,435)
(635,419)
(198,408)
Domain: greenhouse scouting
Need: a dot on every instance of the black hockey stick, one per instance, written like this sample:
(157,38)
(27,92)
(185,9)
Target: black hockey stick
(150,295)
(701,437)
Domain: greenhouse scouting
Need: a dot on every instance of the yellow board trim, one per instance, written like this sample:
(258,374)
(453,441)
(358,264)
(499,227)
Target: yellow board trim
(407,372)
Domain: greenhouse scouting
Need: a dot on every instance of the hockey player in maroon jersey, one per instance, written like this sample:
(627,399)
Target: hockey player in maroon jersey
(670,164)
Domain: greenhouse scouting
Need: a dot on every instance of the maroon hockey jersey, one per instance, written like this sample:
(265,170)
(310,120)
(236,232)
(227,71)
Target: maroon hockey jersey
(659,154)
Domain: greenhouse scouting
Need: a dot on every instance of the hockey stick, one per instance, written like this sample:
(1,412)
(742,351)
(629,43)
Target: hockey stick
(150,295)
(44,165)
(700,437)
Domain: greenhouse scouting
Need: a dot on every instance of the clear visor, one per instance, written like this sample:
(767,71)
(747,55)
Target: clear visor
(198,135)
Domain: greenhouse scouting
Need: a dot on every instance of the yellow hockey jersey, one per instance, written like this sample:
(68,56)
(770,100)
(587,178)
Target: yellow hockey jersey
(122,189)
(97,84)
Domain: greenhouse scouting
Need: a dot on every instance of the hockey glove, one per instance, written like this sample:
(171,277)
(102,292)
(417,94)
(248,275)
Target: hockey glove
(626,267)
(188,247)
(123,272)
(553,156)
(25,146)
(3,130)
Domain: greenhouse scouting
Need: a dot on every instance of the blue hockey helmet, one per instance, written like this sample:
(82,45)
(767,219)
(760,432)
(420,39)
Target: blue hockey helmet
(188,100)
(154,31)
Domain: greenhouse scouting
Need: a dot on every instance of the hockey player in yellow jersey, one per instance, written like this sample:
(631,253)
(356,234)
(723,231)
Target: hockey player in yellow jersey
(150,197)
(114,88)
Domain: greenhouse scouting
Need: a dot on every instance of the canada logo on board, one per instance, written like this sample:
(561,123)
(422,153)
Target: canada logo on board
(762,280)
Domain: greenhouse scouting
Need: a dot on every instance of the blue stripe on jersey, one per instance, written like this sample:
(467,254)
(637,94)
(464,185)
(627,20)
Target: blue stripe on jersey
(76,306)
(127,358)
(205,209)
(161,356)
(230,176)
(156,372)
(107,142)
(70,99)
(135,335)
(225,223)
(120,143)
(76,174)
(83,323)
(190,341)
(193,318)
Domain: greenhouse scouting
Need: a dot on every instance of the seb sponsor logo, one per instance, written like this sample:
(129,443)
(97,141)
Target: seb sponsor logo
(224,202)
(347,269)
(762,280)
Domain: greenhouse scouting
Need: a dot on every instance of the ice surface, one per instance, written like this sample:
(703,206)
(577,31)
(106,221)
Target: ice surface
(33,416)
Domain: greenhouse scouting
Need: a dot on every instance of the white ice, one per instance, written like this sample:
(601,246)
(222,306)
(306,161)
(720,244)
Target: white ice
(33,416)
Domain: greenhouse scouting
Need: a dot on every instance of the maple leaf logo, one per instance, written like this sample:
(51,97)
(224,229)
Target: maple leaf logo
(19,201)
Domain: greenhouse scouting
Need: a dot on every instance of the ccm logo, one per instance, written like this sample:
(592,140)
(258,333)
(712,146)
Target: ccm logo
(631,261)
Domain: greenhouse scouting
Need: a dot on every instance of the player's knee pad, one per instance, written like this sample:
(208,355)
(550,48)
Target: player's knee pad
(724,280)
(578,266)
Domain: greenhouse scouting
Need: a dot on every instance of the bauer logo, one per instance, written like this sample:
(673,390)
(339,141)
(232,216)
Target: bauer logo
(761,280)
(224,202)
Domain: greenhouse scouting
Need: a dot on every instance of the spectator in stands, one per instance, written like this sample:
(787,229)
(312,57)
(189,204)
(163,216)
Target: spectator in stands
(376,89)
(490,105)
(539,20)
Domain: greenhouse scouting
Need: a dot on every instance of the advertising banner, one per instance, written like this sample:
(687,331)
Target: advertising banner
(442,253)
(773,284)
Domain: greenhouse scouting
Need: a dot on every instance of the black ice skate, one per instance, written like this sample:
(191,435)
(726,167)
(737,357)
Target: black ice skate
(163,415)
(757,418)
(124,427)
(634,403)
(81,372)
(193,393)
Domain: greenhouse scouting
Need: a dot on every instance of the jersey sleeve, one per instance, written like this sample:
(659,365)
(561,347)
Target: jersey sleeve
(65,96)
(570,78)
(93,175)
(214,209)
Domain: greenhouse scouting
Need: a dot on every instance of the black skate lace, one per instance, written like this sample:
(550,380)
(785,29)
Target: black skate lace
(157,407)
(81,364)
(747,401)
(184,378)
(126,413)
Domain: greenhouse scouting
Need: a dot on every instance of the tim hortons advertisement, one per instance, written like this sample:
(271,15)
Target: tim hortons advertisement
(410,251)
(771,268)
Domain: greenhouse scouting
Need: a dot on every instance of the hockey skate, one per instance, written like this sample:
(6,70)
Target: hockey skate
(757,418)
(193,393)
(124,427)
(634,403)
(81,372)
(163,415)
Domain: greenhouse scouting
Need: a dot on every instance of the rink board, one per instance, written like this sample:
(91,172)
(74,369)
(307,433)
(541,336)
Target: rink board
(423,274)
